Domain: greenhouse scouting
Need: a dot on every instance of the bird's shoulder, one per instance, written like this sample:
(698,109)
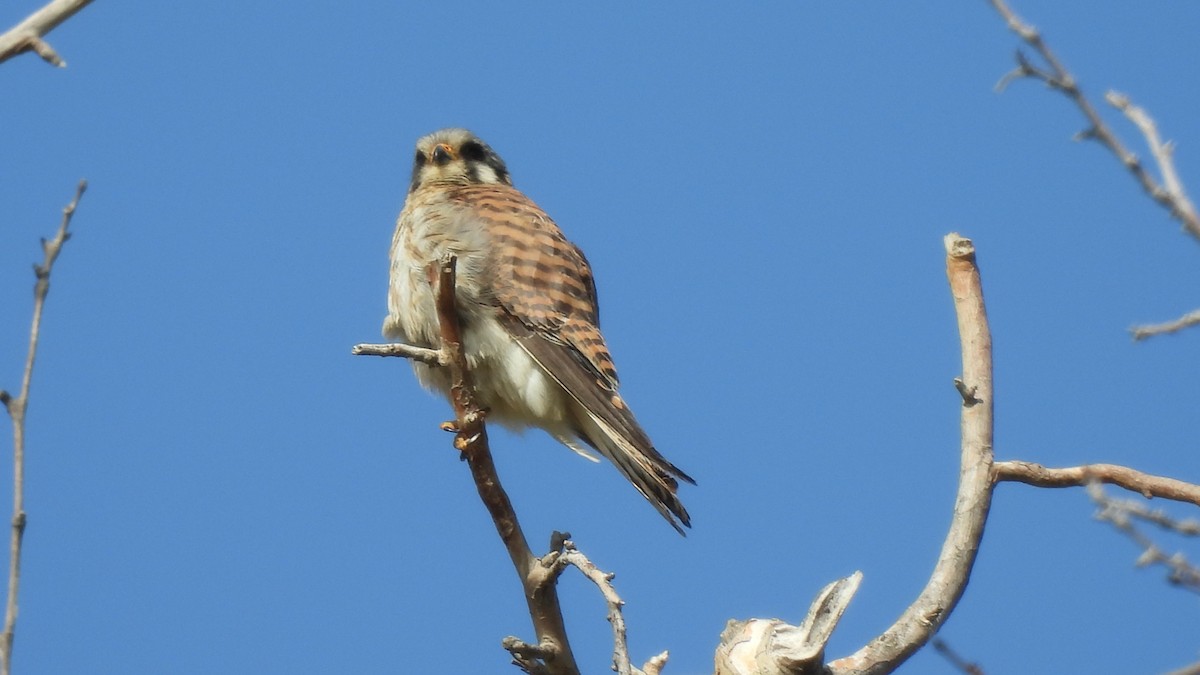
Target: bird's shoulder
(541,279)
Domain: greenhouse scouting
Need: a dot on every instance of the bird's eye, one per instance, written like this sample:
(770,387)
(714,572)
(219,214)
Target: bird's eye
(419,159)
(473,152)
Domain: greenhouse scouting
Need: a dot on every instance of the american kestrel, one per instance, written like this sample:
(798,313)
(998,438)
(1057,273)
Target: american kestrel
(527,303)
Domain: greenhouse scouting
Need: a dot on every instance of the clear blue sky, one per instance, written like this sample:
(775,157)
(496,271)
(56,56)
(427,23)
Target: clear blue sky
(215,485)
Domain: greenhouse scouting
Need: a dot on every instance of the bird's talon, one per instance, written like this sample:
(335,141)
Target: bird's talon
(450,426)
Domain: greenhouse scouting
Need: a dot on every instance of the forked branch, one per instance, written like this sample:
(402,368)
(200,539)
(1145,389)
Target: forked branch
(953,569)
(751,647)
(28,35)
(552,654)
(1169,193)
(16,407)
(1147,485)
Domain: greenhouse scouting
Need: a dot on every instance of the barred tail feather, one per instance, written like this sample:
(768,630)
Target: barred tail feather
(602,420)
(645,468)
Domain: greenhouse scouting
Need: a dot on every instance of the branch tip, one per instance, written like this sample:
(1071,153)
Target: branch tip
(967,393)
(1170,195)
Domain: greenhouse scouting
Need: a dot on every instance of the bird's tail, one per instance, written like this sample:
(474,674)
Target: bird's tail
(642,465)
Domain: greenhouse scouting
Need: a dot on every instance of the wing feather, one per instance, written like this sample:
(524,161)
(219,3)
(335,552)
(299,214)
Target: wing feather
(546,297)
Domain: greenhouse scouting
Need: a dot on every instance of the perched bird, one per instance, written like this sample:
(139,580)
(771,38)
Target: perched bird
(527,304)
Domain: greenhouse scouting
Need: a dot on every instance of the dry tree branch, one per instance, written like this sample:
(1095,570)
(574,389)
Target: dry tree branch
(564,554)
(773,646)
(953,569)
(552,654)
(603,580)
(1138,510)
(27,35)
(1150,330)
(1121,513)
(16,408)
(1171,193)
(1117,513)
(1145,484)
(756,646)
(1056,76)
(433,357)
(763,645)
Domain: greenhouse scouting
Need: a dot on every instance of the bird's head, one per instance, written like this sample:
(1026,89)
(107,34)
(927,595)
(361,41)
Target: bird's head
(456,156)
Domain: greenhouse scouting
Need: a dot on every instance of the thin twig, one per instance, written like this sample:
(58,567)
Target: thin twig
(552,654)
(554,649)
(1138,510)
(1145,484)
(27,35)
(937,600)
(571,556)
(1142,332)
(433,357)
(1171,194)
(1118,513)
(16,407)
(955,660)
(1121,514)
(1056,76)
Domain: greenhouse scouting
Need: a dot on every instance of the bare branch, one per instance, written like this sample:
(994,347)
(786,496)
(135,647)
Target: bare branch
(564,555)
(552,654)
(1121,515)
(1142,332)
(1144,484)
(16,409)
(1171,195)
(655,664)
(1056,76)
(433,357)
(935,603)
(1138,510)
(27,35)
(968,394)
(1118,512)
(774,646)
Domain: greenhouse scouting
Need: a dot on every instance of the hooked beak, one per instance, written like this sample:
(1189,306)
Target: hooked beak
(442,154)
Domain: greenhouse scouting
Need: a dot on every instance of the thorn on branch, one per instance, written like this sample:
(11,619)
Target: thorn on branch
(529,658)
(43,49)
(967,393)
(1024,69)
(27,36)
(655,665)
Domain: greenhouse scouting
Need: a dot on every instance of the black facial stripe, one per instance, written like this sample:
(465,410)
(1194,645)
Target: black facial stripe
(418,163)
(473,151)
(493,160)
